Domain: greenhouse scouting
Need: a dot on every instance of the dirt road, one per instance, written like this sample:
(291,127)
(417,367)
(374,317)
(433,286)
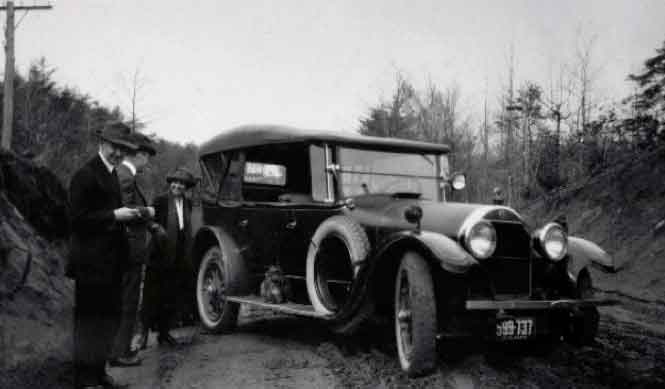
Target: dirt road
(289,352)
(266,351)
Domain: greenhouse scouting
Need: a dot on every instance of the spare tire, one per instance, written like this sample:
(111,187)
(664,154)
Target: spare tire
(337,249)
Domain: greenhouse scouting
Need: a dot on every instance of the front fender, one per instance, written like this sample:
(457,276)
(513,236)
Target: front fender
(583,253)
(379,273)
(445,251)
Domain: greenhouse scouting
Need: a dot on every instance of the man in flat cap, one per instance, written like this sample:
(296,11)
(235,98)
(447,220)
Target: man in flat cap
(98,254)
(169,271)
(138,236)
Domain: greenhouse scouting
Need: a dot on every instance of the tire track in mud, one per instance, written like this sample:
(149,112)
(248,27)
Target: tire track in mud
(289,352)
(627,354)
(632,299)
(266,350)
(159,363)
(166,366)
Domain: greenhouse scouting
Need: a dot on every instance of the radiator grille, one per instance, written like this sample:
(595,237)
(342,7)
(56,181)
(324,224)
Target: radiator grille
(509,269)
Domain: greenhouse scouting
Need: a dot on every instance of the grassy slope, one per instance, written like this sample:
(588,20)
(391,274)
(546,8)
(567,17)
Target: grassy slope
(619,210)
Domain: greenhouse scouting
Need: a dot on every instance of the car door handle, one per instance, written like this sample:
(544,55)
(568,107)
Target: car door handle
(291,225)
(243,223)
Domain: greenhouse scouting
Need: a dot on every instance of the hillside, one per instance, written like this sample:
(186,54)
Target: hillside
(36,299)
(623,210)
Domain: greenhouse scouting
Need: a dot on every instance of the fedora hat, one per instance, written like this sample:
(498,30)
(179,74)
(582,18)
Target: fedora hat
(182,175)
(119,134)
(144,143)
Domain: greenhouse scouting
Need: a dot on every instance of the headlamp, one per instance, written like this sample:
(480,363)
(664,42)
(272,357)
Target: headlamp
(480,239)
(553,241)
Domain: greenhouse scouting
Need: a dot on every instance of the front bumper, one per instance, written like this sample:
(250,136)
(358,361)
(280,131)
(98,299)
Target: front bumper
(488,305)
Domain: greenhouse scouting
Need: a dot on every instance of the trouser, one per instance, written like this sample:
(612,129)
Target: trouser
(167,288)
(96,317)
(130,293)
(160,296)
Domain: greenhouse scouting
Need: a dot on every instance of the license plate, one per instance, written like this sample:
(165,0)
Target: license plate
(514,328)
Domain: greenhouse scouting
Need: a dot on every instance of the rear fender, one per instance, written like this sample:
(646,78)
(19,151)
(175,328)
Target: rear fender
(583,253)
(208,236)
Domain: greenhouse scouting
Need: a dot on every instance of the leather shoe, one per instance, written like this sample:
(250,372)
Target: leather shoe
(91,386)
(167,340)
(109,382)
(125,361)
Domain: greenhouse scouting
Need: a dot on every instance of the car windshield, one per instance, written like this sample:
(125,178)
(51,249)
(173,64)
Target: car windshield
(364,171)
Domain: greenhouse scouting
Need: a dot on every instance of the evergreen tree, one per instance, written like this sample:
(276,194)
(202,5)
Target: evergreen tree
(648,125)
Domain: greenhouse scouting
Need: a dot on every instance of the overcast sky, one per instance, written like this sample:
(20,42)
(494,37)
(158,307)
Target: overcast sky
(209,65)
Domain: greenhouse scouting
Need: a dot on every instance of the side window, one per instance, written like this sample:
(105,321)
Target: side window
(232,181)
(213,168)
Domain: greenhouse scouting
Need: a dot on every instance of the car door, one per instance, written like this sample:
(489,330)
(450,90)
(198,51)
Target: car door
(308,212)
(262,225)
(301,222)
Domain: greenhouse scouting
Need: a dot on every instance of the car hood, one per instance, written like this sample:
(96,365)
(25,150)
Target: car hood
(446,218)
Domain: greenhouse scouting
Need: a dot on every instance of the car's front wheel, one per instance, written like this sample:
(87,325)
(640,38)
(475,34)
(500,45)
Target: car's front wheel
(217,276)
(583,326)
(415,316)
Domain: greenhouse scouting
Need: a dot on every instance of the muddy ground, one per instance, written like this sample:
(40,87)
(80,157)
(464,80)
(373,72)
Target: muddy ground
(269,351)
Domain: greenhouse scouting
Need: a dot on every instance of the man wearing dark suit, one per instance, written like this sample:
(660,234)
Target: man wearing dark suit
(169,273)
(138,236)
(98,254)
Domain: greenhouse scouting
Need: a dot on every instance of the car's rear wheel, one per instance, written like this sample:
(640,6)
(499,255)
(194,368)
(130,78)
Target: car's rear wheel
(415,316)
(219,275)
(339,246)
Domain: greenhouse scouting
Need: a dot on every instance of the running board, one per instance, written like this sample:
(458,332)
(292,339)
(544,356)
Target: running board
(290,308)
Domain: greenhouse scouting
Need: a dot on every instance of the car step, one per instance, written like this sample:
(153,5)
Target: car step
(290,308)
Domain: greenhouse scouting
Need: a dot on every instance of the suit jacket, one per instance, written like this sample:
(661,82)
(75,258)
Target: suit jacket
(166,216)
(98,247)
(138,236)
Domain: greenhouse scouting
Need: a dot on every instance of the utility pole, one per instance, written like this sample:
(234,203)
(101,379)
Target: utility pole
(8,97)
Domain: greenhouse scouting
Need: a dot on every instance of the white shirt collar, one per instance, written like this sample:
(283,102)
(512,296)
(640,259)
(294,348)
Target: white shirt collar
(130,166)
(108,164)
(179,211)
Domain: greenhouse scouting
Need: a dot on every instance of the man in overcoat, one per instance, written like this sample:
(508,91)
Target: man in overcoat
(98,255)
(138,236)
(169,274)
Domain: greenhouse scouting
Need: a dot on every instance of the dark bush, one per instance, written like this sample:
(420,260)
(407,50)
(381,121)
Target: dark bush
(37,193)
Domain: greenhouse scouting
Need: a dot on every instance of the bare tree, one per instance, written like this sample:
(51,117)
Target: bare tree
(484,188)
(585,76)
(557,102)
(506,124)
(133,89)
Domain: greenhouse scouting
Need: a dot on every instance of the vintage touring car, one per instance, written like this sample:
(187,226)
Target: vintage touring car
(345,228)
